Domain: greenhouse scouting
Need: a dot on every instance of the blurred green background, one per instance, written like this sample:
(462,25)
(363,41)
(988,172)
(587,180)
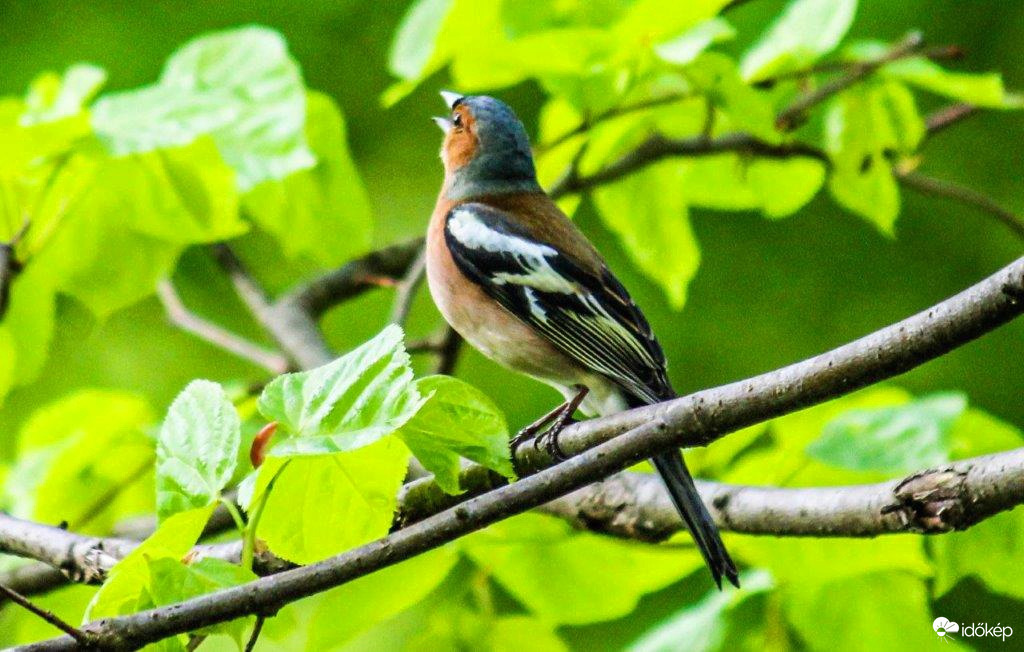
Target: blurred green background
(767,292)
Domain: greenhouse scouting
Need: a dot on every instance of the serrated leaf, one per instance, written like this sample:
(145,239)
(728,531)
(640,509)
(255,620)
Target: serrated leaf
(803,32)
(171,581)
(323,505)
(240,86)
(893,439)
(197,448)
(129,578)
(457,420)
(322,212)
(656,232)
(550,568)
(346,404)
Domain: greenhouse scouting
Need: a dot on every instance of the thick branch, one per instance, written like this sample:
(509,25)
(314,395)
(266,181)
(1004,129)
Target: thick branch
(695,419)
(933,501)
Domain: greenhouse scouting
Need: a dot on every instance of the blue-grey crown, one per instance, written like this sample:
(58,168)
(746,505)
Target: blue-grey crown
(503,162)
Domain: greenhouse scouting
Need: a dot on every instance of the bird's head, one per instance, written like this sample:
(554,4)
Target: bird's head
(486,150)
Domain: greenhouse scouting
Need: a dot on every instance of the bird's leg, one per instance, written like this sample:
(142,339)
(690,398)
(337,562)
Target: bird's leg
(530,431)
(564,418)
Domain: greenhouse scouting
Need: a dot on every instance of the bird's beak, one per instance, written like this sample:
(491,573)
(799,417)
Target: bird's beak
(450,98)
(444,123)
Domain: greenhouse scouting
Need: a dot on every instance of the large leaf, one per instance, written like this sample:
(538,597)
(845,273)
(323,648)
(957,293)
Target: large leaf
(456,420)
(197,448)
(129,579)
(857,613)
(572,577)
(704,625)
(990,550)
(322,212)
(685,48)
(241,86)
(416,36)
(91,453)
(804,31)
(171,581)
(894,439)
(656,232)
(320,506)
(377,597)
(343,405)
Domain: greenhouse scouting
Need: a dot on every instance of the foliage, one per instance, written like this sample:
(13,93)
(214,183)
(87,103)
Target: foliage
(104,193)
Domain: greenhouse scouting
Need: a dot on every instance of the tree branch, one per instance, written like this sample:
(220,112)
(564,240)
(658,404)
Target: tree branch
(658,147)
(792,115)
(49,617)
(933,501)
(696,419)
(963,194)
(183,318)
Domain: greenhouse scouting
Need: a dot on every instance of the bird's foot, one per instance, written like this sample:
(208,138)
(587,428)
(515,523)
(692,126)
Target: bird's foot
(549,440)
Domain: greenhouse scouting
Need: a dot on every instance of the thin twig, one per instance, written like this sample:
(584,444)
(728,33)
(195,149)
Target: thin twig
(790,116)
(105,499)
(963,194)
(188,321)
(407,287)
(48,616)
(948,116)
(256,629)
(609,114)
(295,331)
(448,352)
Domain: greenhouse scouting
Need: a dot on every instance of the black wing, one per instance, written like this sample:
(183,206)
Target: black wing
(589,317)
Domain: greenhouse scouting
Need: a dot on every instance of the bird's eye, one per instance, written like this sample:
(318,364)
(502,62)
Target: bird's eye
(457,119)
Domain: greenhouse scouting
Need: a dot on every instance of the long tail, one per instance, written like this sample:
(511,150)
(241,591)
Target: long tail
(684,495)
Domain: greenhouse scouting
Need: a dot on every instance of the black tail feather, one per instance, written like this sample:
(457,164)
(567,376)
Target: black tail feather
(684,495)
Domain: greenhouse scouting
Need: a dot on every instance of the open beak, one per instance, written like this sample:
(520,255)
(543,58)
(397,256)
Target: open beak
(450,98)
(444,123)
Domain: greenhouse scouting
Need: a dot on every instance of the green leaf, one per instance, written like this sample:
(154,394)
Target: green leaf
(803,32)
(685,48)
(740,107)
(783,187)
(550,568)
(990,550)
(702,625)
(858,131)
(241,86)
(656,232)
(130,578)
(29,321)
(978,433)
(892,439)
(197,448)
(456,420)
(416,36)
(825,615)
(322,212)
(53,97)
(93,446)
(377,597)
(320,506)
(343,405)
(171,581)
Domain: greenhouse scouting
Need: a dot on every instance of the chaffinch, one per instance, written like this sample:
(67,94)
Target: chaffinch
(525,287)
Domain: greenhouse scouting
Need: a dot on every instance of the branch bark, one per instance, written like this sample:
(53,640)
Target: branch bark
(696,419)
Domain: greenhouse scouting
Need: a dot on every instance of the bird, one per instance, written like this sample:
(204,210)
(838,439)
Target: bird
(523,285)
